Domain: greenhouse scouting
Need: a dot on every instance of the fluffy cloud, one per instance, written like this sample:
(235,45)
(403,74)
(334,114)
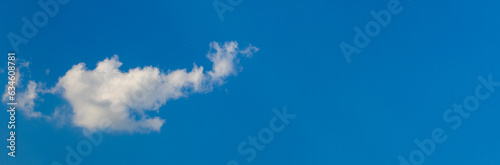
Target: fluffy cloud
(25,98)
(126,99)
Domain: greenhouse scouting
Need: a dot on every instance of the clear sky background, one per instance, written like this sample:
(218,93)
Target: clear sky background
(369,111)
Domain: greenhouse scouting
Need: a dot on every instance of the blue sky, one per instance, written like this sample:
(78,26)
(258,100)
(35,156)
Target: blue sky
(368,111)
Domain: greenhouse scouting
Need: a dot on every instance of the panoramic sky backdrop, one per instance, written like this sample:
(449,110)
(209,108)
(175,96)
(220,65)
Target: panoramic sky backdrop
(213,75)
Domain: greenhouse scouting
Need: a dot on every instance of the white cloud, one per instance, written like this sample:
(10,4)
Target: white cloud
(26,101)
(25,98)
(126,99)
